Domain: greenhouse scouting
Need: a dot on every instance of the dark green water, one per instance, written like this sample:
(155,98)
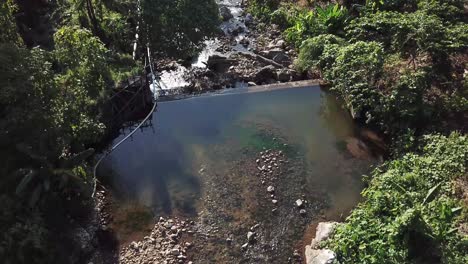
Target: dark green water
(160,167)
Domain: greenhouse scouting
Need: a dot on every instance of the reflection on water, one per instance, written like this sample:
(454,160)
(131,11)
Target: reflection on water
(161,169)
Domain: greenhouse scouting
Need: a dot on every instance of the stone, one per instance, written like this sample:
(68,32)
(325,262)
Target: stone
(270,189)
(219,63)
(245,246)
(319,256)
(251,236)
(248,20)
(296,254)
(278,55)
(302,211)
(265,74)
(323,231)
(274,201)
(254,227)
(134,245)
(225,13)
(283,76)
(175,251)
(281,43)
(299,203)
(237,30)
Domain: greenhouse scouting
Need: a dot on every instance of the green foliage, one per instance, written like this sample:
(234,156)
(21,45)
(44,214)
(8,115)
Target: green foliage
(409,210)
(305,25)
(312,49)
(395,5)
(447,10)
(83,84)
(176,28)
(311,23)
(262,9)
(7,23)
(457,37)
(354,74)
(403,107)
(333,17)
(408,34)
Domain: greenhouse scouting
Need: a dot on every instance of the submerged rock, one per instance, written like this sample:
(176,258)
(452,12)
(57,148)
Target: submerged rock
(270,189)
(299,203)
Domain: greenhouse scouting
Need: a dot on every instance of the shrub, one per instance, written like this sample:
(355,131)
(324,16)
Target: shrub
(311,23)
(312,49)
(393,5)
(305,25)
(354,74)
(333,17)
(409,213)
(447,10)
(262,9)
(457,37)
(410,33)
(404,106)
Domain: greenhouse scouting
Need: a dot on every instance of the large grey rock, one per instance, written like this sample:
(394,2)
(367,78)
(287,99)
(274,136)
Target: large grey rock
(265,74)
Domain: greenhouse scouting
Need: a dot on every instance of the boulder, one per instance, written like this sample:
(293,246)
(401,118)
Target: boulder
(225,13)
(219,63)
(277,55)
(283,76)
(265,74)
(319,256)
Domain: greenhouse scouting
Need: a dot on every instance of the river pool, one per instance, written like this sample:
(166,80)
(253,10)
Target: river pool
(198,160)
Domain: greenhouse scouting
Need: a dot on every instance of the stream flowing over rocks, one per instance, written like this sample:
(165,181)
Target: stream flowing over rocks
(245,53)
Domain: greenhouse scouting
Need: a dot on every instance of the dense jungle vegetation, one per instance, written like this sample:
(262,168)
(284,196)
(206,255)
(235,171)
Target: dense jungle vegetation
(60,61)
(400,67)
